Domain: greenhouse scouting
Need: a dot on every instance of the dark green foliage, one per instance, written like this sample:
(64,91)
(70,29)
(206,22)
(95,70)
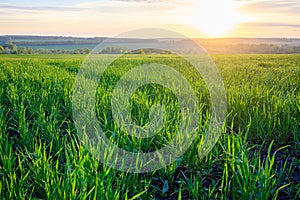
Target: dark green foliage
(1,49)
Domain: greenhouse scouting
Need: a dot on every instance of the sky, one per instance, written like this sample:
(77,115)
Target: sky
(194,18)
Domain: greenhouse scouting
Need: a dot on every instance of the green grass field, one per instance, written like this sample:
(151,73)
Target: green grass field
(256,157)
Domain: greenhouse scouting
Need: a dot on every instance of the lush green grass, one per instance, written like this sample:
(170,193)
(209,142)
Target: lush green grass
(255,158)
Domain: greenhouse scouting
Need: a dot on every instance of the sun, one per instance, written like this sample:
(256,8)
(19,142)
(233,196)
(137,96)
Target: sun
(215,18)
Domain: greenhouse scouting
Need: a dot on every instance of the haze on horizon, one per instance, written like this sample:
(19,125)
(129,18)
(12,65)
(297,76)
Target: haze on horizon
(194,18)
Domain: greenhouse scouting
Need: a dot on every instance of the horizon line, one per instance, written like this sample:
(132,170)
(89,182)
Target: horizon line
(94,36)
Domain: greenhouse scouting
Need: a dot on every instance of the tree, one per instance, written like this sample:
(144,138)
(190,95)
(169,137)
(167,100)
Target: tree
(10,47)
(1,49)
(22,50)
(13,48)
(30,51)
(76,51)
(114,50)
(86,51)
(141,51)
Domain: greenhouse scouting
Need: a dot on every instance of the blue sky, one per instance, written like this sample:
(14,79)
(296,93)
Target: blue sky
(195,18)
(42,2)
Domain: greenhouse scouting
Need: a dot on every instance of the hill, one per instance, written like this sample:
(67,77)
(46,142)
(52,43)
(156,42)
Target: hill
(214,46)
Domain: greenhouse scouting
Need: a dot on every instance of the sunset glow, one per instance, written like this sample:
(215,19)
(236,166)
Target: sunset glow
(195,18)
(216,18)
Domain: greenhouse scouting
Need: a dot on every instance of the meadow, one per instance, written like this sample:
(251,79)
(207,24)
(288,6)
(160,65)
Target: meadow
(256,156)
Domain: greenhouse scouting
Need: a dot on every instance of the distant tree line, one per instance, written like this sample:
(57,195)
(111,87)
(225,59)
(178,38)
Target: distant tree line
(24,50)
(11,48)
(259,49)
(14,49)
(62,51)
(49,40)
(123,50)
(213,47)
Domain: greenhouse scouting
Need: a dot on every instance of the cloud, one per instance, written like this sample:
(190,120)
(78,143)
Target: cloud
(142,1)
(113,16)
(275,6)
(105,17)
(115,7)
(268,24)
(36,8)
(245,0)
(267,29)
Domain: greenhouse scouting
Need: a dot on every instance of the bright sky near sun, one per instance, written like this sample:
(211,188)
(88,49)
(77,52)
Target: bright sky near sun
(195,18)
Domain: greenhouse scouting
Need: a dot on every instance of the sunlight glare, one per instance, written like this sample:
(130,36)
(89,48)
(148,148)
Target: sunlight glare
(216,18)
